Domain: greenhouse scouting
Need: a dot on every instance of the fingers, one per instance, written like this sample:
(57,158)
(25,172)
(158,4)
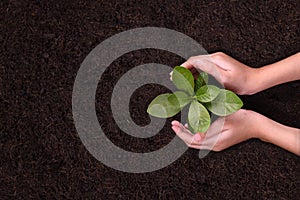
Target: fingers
(214,132)
(182,132)
(194,72)
(207,140)
(206,64)
(175,123)
(191,67)
(187,65)
(200,147)
(192,141)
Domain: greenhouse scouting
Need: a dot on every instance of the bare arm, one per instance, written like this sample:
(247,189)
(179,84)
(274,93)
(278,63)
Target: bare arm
(274,74)
(283,136)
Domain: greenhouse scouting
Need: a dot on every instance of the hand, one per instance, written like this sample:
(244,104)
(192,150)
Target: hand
(234,75)
(223,133)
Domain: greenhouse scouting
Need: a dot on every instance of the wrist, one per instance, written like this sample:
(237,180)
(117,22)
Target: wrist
(260,122)
(255,121)
(253,81)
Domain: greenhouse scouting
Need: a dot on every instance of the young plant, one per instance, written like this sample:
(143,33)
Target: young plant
(201,97)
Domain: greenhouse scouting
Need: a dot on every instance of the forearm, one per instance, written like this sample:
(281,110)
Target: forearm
(283,136)
(274,74)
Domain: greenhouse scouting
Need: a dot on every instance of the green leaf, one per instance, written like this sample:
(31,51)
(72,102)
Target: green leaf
(225,103)
(207,93)
(204,75)
(182,98)
(198,117)
(183,79)
(199,83)
(201,80)
(164,106)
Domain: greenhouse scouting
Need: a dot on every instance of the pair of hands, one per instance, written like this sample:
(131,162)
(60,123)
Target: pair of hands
(235,128)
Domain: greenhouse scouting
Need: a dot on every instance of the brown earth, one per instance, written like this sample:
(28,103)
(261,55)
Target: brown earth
(43,44)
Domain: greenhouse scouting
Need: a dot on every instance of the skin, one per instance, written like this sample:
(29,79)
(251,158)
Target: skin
(243,80)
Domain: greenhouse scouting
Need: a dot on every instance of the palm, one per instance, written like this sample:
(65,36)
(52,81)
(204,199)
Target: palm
(223,133)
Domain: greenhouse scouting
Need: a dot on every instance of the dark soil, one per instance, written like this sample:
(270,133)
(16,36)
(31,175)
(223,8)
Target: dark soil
(43,44)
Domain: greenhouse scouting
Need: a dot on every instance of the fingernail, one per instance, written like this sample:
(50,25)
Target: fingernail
(173,122)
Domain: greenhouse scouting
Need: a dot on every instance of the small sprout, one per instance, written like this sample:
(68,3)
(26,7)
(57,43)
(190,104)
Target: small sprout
(201,97)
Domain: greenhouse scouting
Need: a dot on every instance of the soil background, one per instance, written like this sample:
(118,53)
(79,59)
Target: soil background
(42,45)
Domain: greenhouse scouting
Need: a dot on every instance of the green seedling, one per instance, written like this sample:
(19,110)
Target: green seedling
(201,97)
